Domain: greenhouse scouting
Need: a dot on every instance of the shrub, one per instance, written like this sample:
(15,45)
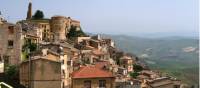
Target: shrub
(75,33)
(137,68)
(134,74)
(11,71)
(38,15)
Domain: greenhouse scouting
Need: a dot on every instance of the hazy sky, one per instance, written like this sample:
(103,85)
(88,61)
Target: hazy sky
(130,17)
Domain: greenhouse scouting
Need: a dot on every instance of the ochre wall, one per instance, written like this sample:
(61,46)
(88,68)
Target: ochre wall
(79,83)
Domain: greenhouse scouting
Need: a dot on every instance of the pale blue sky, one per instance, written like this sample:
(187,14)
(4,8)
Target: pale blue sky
(130,17)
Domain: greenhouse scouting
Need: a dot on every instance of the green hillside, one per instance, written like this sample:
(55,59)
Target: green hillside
(165,54)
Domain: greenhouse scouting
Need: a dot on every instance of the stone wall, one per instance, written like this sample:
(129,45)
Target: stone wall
(79,83)
(59,27)
(44,73)
(10,43)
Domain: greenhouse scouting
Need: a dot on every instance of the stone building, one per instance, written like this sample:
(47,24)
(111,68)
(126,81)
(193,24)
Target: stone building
(59,27)
(80,39)
(10,42)
(92,77)
(49,30)
(37,28)
(75,23)
(54,29)
(127,62)
(64,53)
(40,72)
(149,74)
(163,82)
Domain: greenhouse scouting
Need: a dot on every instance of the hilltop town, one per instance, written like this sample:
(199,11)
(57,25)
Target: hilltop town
(56,53)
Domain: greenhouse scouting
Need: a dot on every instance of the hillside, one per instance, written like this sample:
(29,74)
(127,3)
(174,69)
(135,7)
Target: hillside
(175,56)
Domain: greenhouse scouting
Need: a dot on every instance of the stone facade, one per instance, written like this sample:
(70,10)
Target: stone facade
(127,62)
(50,30)
(63,54)
(93,77)
(59,27)
(37,28)
(44,73)
(163,82)
(95,83)
(10,43)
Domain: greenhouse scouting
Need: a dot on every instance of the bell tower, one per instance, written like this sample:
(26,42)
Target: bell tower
(29,12)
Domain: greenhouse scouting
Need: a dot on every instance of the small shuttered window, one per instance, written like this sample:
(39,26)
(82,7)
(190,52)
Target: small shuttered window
(10,43)
(87,84)
(11,29)
(102,83)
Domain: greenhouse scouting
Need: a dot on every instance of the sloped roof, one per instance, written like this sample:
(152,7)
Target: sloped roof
(159,82)
(101,64)
(35,58)
(126,58)
(98,52)
(91,72)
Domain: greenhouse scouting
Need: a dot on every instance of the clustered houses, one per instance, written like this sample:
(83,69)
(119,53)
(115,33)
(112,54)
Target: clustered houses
(58,62)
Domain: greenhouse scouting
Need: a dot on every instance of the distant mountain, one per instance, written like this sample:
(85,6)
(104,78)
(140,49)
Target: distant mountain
(177,56)
(194,35)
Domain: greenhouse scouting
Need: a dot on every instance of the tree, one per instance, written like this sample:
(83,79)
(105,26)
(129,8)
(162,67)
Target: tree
(11,71)
(134,74)
(38,15)
(137,68)
(75,33)
(29,45)
(28,48)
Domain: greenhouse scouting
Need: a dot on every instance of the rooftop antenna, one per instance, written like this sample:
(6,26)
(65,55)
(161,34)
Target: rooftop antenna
(8,18)
(1,17)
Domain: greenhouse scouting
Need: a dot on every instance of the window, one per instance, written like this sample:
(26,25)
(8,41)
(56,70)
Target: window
(0,58)
(62,61)
(6,59)
(10,44)
(11,29)
(63,72)
(102,83)
(68,62)
(87,84)
(63,85)
(176,86)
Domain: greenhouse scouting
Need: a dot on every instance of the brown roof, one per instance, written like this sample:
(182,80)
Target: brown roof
(159,79)
(39,58)
(101,64)
(89,47)
(98,52)
(75,21)
(91,72)
(31,35)
(126,58)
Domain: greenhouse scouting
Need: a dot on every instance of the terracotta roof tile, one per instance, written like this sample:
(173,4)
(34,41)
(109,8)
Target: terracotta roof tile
(97,52)
(91,72)
(101,64)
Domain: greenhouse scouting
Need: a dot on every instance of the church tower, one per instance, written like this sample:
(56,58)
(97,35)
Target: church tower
(29,12)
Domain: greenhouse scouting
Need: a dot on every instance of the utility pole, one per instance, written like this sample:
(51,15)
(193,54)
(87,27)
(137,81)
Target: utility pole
(29,72)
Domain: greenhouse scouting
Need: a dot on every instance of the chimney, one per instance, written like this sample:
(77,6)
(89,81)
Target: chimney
(29,12)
